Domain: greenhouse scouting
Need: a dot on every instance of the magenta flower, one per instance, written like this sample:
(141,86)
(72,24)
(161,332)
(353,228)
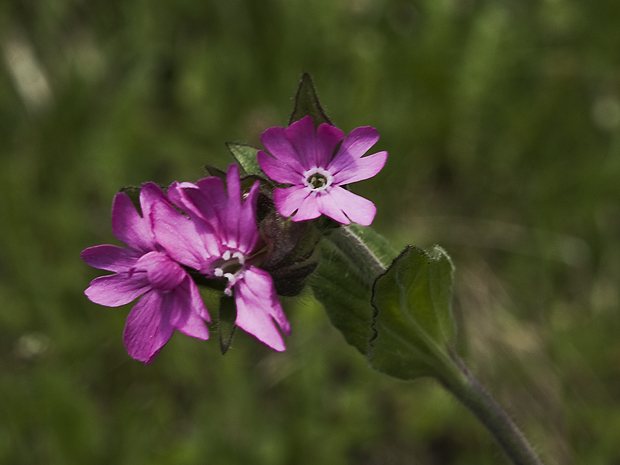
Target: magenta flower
(305,158)
(170,299)
(218,238)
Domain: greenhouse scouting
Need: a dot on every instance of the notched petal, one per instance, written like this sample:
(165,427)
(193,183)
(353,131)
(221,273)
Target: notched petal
(281,170)
(117,289)
(186,317)
(302,137)
(148,326)
(129,227)
(358,169)
(110,257)
(258,308)
(290,199)
(359,210)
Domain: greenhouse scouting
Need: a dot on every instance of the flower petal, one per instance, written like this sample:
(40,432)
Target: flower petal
(186,317)
(308,210)
(232,213)
(117,289)
(275,141)
(177,193)
(110,257)
(360,168)
(129,227)
(148,326)
(359,141)
(258,307)
(195,301)
(328,137)
(328,206)
(188,241)
(290,199)
(353,147)
(302,137)
(279,169)
(232,221)
(359,210)
(211,201)
(150,194)
(248,228)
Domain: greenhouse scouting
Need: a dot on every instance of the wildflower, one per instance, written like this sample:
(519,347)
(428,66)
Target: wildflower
(218,238)
(170,299)
(304,157)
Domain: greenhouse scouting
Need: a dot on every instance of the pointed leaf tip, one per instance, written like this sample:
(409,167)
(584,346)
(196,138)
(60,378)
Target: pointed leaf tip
(245,155)
(307,103)
(226,325)
(133,192)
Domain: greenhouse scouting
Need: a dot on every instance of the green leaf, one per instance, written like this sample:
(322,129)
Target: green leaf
(133,192)
(226,325)
(246,157)
(414,323)
(307,103)
(352,257)
(218,173)
(345,294)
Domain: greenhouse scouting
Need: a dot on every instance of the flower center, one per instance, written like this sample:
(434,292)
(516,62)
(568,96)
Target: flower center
(231,266)
(318,179)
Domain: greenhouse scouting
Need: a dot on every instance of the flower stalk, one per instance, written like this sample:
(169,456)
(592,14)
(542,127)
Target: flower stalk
(358,251)
(468,390)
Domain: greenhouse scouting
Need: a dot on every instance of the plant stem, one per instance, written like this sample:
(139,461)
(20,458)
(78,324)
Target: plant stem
(359,253)
(475,397)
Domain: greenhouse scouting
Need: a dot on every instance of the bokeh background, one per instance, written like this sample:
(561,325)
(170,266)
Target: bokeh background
(502,120)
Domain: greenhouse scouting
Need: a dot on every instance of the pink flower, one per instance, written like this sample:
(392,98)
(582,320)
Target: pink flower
(304,157)
(218,238)
(170,299)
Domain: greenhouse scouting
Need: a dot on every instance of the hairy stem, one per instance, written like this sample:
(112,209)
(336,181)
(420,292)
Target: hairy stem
(475,397)
(359,253)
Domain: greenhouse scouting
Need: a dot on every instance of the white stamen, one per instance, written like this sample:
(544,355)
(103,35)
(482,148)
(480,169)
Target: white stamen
(318,175)
(230,261)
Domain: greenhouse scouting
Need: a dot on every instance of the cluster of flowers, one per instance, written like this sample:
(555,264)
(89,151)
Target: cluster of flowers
(211,228)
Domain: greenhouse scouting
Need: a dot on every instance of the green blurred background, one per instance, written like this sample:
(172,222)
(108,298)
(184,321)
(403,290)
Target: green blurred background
(502,120)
